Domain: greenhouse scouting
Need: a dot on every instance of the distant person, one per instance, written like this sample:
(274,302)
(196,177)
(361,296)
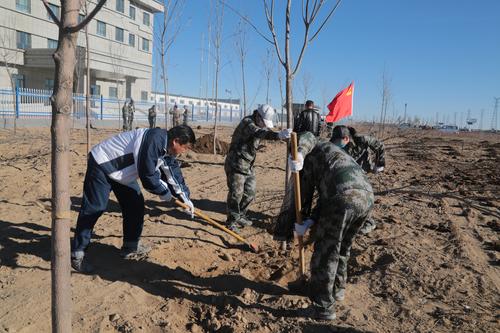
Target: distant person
(367,151)
(176,115)
(115,165)
(308,120)
(125,116)
(130,115)
(239,163)
(185,115)
(152,116)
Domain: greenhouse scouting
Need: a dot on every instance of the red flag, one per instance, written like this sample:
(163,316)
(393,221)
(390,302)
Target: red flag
(341,106)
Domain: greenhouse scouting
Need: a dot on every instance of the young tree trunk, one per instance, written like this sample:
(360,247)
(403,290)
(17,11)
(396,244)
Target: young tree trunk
(65,61)
(165,87)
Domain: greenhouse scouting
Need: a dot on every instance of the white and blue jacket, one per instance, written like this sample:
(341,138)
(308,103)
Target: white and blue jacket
(137,154)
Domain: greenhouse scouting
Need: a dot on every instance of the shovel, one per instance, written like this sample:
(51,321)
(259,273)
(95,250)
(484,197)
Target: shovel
(298,207)
(197,212)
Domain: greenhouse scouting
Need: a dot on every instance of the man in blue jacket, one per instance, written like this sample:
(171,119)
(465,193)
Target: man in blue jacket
(115,165)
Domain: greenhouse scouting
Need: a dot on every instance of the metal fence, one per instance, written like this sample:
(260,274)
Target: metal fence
(24,103)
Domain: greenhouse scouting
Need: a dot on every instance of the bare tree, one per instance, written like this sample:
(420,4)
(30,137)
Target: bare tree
(61,99)
(241,49)
(217,41)
(268,71)
(386,96)
(310,11)
(8,56)
(165,38)
(116,53)
(306,84)
(87,74)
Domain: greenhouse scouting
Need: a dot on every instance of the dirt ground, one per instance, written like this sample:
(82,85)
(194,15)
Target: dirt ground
(430,266)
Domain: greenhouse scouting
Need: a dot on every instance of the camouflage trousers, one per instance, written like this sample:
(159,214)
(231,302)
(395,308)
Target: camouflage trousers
(339,222)
(241,193)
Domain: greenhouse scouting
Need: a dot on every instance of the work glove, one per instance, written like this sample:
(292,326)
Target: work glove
(190,209)
(301,229)
(296,165)
(379,169)
(284,133)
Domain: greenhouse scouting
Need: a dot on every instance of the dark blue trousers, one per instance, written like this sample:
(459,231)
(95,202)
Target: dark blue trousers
(96,189)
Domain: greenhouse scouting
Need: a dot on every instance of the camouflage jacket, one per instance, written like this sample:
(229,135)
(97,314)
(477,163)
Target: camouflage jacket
(328,169)
(243,148)
(367,151)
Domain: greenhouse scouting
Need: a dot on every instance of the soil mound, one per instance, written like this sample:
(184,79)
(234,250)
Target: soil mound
(205,145)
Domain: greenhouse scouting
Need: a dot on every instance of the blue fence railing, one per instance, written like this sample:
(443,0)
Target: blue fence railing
(35,103)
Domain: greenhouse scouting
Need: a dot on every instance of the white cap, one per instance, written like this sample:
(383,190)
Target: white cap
(267,113)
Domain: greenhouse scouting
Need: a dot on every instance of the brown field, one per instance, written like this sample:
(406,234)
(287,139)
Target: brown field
(430,266)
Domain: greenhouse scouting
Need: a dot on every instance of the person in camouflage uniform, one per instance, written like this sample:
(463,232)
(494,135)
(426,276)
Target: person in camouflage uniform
(124,116)
(176,116)
(240,160)
(152,116)
(345,201)
(185,115)
(368,152)
(130,114)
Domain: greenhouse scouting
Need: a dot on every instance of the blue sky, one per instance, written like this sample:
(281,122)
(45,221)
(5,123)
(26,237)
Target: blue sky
(441,57)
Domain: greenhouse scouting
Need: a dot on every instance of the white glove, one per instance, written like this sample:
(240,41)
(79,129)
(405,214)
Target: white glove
(190,209)
(284,134)
(301,229)
(298,164)
(379,169)
(166,197)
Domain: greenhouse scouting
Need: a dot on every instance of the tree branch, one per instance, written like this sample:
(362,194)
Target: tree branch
(325,21)
(270,24)
(248,21)
(51,14)
(88,18)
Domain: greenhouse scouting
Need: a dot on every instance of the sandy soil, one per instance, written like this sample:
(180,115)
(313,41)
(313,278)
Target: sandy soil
(430,266)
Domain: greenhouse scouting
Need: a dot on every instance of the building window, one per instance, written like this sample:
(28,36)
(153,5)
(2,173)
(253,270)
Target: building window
(80,18)
(131,40)
(23,40)
(144,95)
(198,103)
(51,43)
(101,28)
(172,100)
(113,92)
(49,84)
(55,9)
(162,99)
(181,101)
(145,19)
(145,45)
(131,12)
(23,6)
(120,6)
(119,34)
(18,80)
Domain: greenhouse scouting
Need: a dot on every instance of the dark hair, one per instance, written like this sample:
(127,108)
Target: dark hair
(183,133)
(352,131)
(309,103)
(339,132)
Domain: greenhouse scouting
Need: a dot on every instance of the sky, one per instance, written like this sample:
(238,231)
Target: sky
(440,57)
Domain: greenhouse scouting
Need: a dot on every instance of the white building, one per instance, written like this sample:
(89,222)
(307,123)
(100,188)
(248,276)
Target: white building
(181,100)
(120,39)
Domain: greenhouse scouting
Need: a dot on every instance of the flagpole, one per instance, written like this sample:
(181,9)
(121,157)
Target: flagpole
(352,102)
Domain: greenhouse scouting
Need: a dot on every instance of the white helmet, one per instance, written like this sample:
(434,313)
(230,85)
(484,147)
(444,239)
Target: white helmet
(267,113)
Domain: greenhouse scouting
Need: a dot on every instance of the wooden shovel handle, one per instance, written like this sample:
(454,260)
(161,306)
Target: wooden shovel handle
(298,204)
